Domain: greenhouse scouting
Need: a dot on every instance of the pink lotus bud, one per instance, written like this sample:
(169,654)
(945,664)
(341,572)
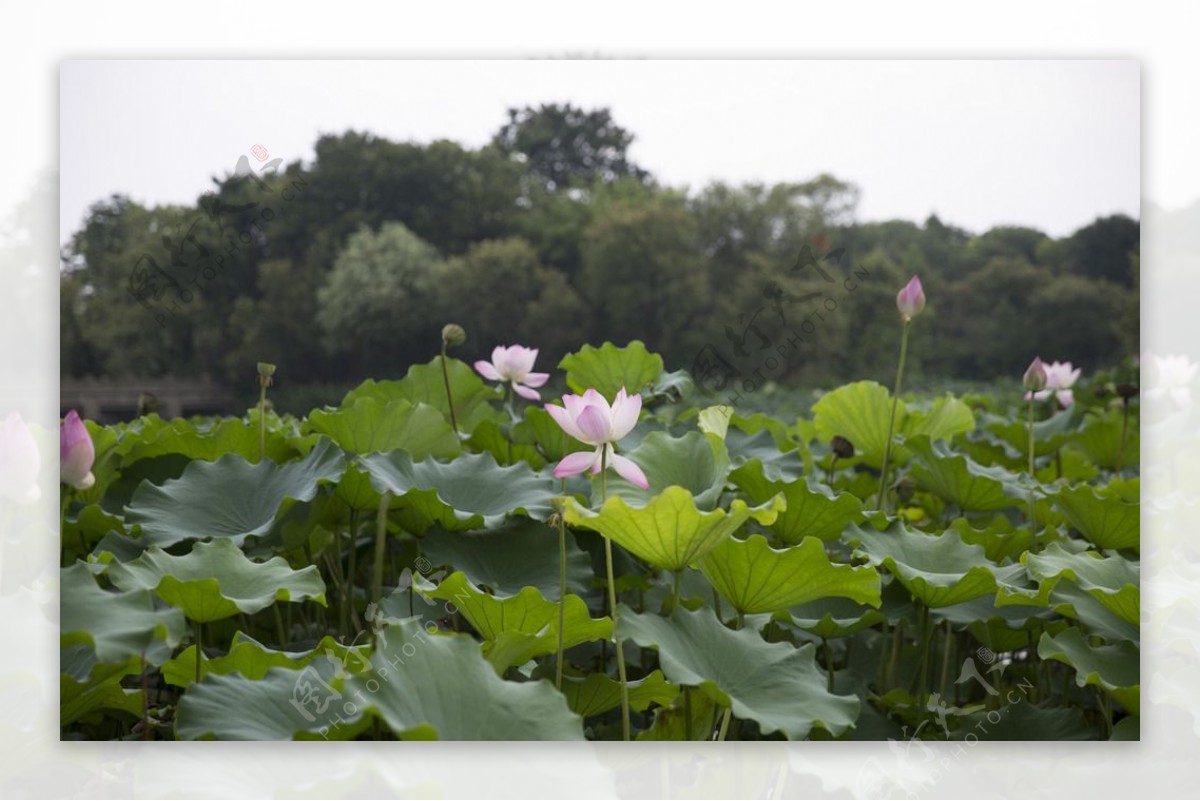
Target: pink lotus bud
(1035,376)
(76,453)
(911,300)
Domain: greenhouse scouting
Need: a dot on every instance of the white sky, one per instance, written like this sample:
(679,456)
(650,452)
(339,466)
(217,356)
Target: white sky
(1049,144)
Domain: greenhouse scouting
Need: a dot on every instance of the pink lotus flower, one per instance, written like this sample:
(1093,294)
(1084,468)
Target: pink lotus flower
(513,364)
(590,419)
(1060,377)
(76,453)
(911,300)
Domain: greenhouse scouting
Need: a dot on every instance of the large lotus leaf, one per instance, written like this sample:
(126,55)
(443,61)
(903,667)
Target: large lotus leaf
(1105,520)
(813,510)
(99,688)
(1000,628)
(693,461)
(91,526)
(939,570)
(229,435)
(774,684)
(761,448)
(311,703)
(427,686)
(669,532)
(1115,668)
(596,693)
(522,553)
(489,437)
(1069,600)
(252,659)
(216,580)
(607,369)
(472,491)
(540,430)
(354,488)
(861,411)
(1113,581)
(114,625)
(369,426)
(960,481)
(230,497)
(999,539)
(1100,439)
(1048,435)
(756,578)
(832,617)
(518,628)
(1022,721)
(424,383)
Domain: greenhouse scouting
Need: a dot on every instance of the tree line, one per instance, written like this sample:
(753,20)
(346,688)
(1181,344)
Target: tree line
(552,237)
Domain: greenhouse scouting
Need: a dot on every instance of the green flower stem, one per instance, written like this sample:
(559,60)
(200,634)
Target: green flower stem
(725,723)
(828,664)
(947,645)
(380,548)
(199,649)
(352,570)
(926,636)
(262,418)
(612,603)
(280,629)
(887,448)
(339,577)
(678,595)
(1032,475)
(62,522)
(1124,433)
(449,397)
(562,590)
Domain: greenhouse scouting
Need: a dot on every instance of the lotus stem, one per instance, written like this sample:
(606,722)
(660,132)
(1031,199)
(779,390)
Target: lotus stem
(1124,433)
(199,649)
(828,664)
(887,448)
(562,591)
(725,723)
(449,396)
(380,548)
(612,604)
(1032,475)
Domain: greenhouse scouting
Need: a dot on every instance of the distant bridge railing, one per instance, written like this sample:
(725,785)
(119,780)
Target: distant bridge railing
(108,400)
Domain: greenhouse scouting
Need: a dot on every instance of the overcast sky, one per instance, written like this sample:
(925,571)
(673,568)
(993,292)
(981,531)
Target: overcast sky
(1049,144)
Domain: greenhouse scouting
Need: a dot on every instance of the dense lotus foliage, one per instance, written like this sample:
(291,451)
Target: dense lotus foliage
(407,566)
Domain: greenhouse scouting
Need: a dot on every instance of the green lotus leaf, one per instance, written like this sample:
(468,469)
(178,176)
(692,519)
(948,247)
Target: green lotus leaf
(671,723)
(668,532)
(228,435)
(522,553)
(424,383)
(1023,721)
(1113,581)
(252,659)
(98,689)
(861,411)
(1114,668)
(832,617)
(518,628)
(813,510)
(1049,435)
(608,368)
(774,684)
(715,420)
(370,426)
(693,461)
(428,686)
(999,539)
(960,481)
(1105,520)
(113,625)
(596,693)
(1000,628)
(939,570)
(91,526)
(1100,439)
(229,498)
(489,437)
(755,578)
(311,703)
(216,580)
(470,492)
(1071,601)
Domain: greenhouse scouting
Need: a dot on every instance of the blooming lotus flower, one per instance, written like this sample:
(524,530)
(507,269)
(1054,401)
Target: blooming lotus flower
(514,364)
(1060,377)
(911,300)
(1171,376)
(20,461)
(590,419)
(76,452)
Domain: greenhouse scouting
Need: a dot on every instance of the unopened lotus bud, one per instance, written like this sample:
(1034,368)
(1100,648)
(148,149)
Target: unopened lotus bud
(1035,376)
(266,369)
(911,300)
(842,447)
(453,335)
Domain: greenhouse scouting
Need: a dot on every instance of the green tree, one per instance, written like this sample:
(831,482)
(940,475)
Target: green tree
(374,308)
